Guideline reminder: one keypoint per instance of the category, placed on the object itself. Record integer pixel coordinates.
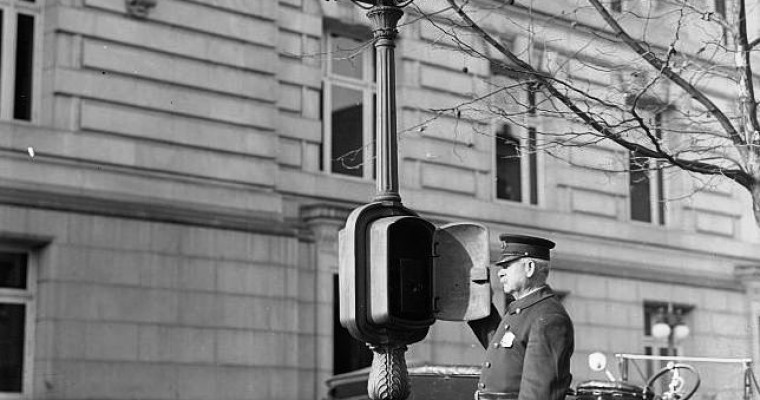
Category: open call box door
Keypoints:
(460, 272)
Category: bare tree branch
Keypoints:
(751, 45)
(661, 66)
(748, 106)
(546, 83)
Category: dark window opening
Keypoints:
(649, 363)
(322, 120)
(640, 189)
(349, 354)
(532, 92)
(533, 165)
(2, 27)
(13, 277)
(13, 271)
(12, 326)
(660, 196)
(508, 168)
(22, 99)
(347, 132)
(616, 5)
(659, 175)
(720, 7)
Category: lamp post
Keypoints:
(384, 15)
(388, 378)
(669, 325)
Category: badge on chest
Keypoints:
(507, 340)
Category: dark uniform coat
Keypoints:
(528, 350)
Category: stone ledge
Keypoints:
(95, 203)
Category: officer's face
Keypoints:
(513, 276)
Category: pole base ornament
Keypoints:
(389, 378)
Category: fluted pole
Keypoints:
(384, 18)
(388, 378)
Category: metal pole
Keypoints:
(384, 19)
(388, 378)
(747, 381)
(623, 369)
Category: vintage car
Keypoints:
(459, 382)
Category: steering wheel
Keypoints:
(676, 384)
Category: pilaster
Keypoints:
(749, 276)
(325, 222)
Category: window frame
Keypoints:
(524, 133)
(8, 37)
(29, 299)
(656, 346)
(657, 185)
(367, 86)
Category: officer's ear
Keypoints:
(530, 269)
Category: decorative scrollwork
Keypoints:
(368, 4)
(384, 20)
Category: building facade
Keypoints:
(174, 179)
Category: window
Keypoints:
(616, 6)
(348, 107)
(647, 185)
(18, 38)
(672, 314)
(349, 354)
(720, 8)
(516, 166)
(16, 319)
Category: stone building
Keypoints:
(174, 178)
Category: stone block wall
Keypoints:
(168, 206)
(129, 308)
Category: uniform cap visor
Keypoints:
(508, 258)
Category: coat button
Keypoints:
(495, 345)
(487, 364)
(481, 385)
(517, 310)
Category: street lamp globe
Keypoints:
(680, 331)
(661, 330)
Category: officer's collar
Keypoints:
(541, 294)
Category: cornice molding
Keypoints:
(649, 274)
(325, 212)
(93, 203)
(748, 272)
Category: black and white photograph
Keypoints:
(379, 199)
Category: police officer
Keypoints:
(528, 350)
